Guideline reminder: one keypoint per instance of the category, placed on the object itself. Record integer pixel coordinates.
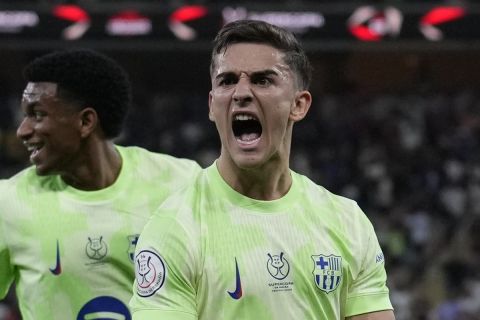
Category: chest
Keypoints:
(291, 263)
(74, 238)
(290, 254)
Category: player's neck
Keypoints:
(98, 168)
(269, 182)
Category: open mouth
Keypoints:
(246, 128)
(34, 149)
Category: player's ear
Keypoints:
(210, 112)
(303, 100)
(88, 121)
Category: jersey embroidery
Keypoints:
(96, 248)
(278, 266)
(58, 267)
(132, 244)
(150, 273)
(327, 272)
(237, 293)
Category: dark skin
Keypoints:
(66, 140)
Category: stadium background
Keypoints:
(395, 122)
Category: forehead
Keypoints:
(36, 90)
(249, 57)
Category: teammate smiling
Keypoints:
(69, 223)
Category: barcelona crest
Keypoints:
(132, 244)
(327, 272)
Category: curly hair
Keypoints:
(253, 31)
(87, 79)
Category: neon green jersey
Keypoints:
(211, 253)
(70, 252)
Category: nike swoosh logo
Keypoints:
(237, 294)
(58, 267)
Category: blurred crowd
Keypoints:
(411, 160)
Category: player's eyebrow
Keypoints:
(224, 75)
(29, 95)
(30, 106)
(264, 73)
(261, 73)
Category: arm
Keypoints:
(6, 272)
(6, 269)
(166, 263)
(368, 296)
(379, 315)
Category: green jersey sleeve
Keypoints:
(166, 266)
(368, 292)
(6, 268)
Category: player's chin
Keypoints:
(249, 161)
(42, 169)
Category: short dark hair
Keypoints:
(253, 31)
(89, 79)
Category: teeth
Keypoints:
(31, 147)
(243, 117)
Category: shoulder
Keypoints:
(336, 209)
(23, 192)
(26, 180)
(148, 160)
(320, 195)
(176, 222)
(183, 204)
(187, 197)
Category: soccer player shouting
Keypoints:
(251, 239)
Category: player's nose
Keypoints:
(25, 129)
(243, 91)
